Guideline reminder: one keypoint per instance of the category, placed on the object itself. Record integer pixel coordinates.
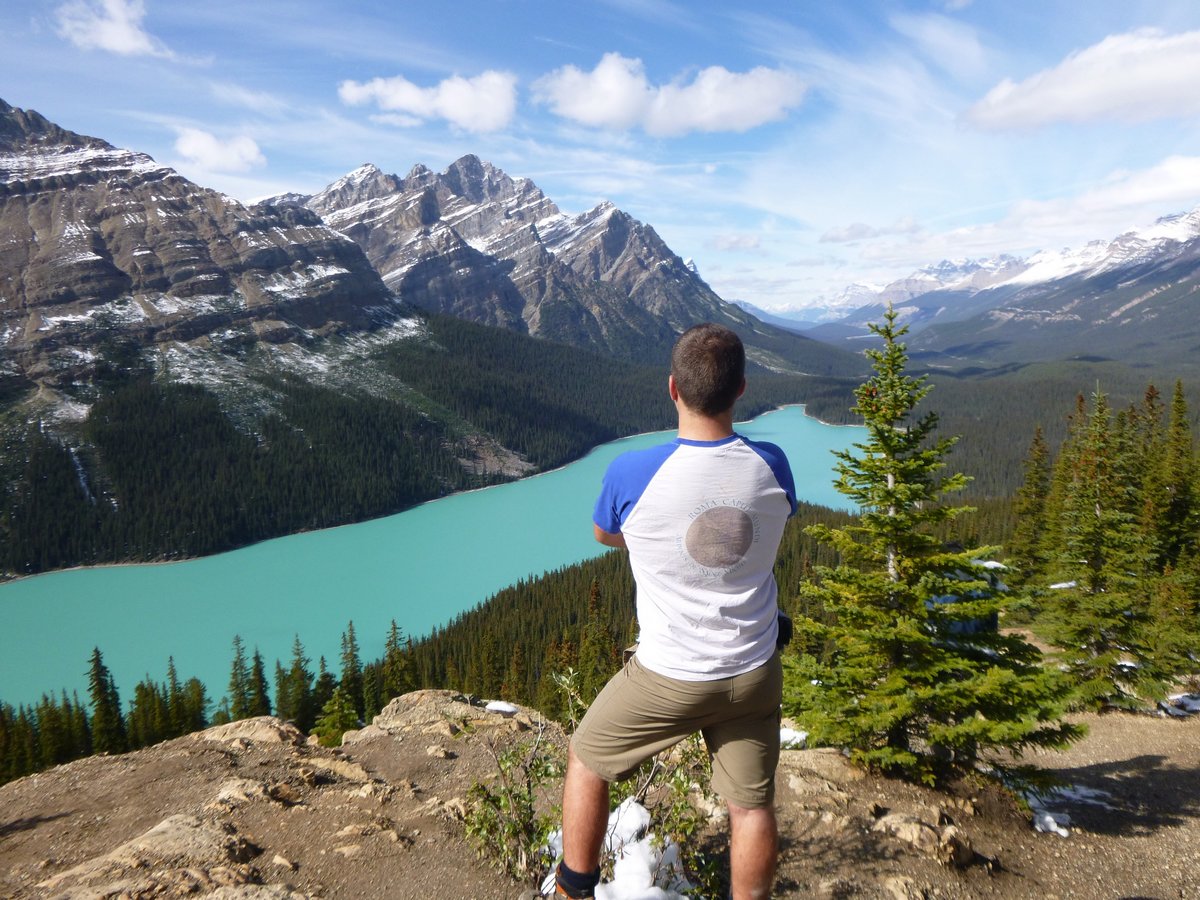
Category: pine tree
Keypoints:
(176, 702)
(239, 682)
(1097, 611)
(597, 652)
(294, 689)
(24, 742)
(337, 717)
(53, 736)
(513, 687)
(1027, 548)
(1171, 509)
(373, 700)
(81, 733)
(260, 691)
(149, 718)
(107, 725)
(351, 679)
(547, 697)
(912, 680)
(323, 689)
(397, 669)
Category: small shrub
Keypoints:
(502, 820)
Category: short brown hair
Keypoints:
(708, 364)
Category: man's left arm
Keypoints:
(608, 538)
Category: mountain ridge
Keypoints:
(1005, 309)
(476, 243)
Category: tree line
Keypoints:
(1107, 546)
(897, 655)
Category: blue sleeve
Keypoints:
(625, 482)
(774, 457)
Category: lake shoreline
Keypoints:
(6, 579)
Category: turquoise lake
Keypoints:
(420, 567)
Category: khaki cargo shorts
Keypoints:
(640, 713)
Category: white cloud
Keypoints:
(112, 25)
(258, 101)
(484, 103)
(860, 231)
(208, 152)
(1124, 200)
(945, 42)
(1133, 77)
(735, 242)
(617, 94)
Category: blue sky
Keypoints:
(789, 148)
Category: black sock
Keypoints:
(576, 884)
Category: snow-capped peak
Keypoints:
(358, 176)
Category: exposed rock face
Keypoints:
(98, 242)
(475, 243)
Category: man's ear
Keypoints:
(671, 389)
(742, 389)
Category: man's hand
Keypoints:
(608, 539)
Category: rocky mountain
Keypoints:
(475, 243)
(182, 374)
(1130, 299)
(101, 245)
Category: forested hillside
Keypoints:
(162, 470)
(1112, 517)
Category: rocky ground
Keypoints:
(251, 810)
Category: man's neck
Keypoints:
(696, 427)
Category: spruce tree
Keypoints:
(513, 687)
(1097, 609)
(397, 669)
(239, 682)
(337, 717)
(597, 651)
(260, 691)
(107, 725)
(81, 732)
(1171, 508)
(176, 702)
(351, 679)
(1027, 548)
(53, 727)
(322, 690)
(294, 689)
(912, 680)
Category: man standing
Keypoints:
(702, 518)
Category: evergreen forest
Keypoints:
(903, 612)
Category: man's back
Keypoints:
(702, 521)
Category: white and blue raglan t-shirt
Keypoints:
(702, 521)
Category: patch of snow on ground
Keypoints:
(1049, 821)
(640, 870)
(168, 305)
(49, 323)
(74, 259)
(791, 739)
(501, 707)
(292, 284)
(70, 411)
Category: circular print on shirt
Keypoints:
(719, 537)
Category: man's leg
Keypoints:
(753, 848)
(585, 816)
